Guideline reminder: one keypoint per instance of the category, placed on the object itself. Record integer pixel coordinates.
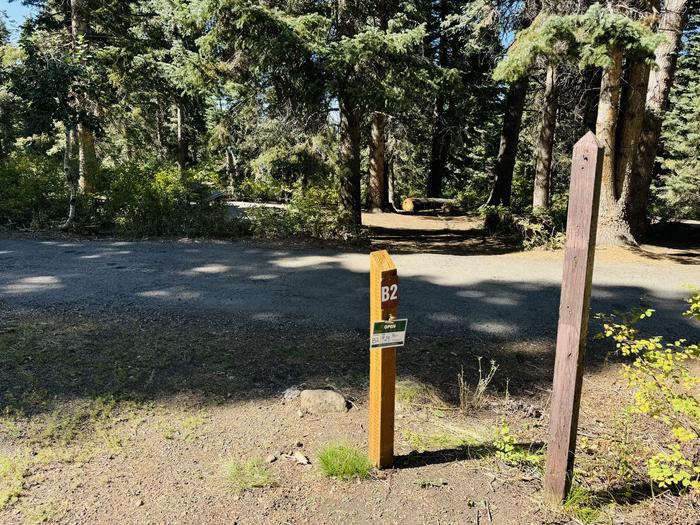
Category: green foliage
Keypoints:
(587, 39)
(510, 451)
(33, 191)
(544, 227)
(343, 461)
(676, 190)
(12, 474)
(665, 390)
(582, 505)
(143, 201)
(499, 220)
(248, 474)
(313, 213)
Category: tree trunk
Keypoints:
(377, 175)
(672, 23)
(613, 228)
(70, 179)
(590, 112)
(440, 141)
(545, 143)
(87, 158)
(438, 150)
(350, 158)
(505, 162)
(629, 126)
(182, 144)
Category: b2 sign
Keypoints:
(390, 292)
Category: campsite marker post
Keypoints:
(383, 305)
(582, 219)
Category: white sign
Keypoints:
(388, 334)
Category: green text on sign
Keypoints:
(388, 334)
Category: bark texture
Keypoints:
(378, 191)
(673, 20)
(350, 158)
(505, 162)
(87, 157)
(70, 179)
(613, 228)
(545, 142)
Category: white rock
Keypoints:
(322, 401)
(301, 458)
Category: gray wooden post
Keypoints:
(582, 219)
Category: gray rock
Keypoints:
(291, 393)
(322, 401)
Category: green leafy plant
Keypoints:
(510, 451)
(665, 390)
(248, 474)
(342, 461)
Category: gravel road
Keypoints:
(485, 297)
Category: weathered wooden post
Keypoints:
(382, 361)
(582, 219)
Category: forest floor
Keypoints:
(131, 372)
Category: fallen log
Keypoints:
(413, 204)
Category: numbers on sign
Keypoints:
(390, 293)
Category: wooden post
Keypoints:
(582, 218)
(382, 366)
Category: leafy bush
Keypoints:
(142, 201)
(33, 190)
(314, 213)
(499, 220)
(265, 190)
(665, 390)
(544, 227)
(342, 461)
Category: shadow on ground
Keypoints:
(239, 322)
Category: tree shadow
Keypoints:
(228, 322)
(416, 459)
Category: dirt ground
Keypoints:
(121, 420)
(122, 417)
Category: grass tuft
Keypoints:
(342, 461)
(411, 393)
(248, 474)
(12, 473)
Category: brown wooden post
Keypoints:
(582, 218)
(382, 365)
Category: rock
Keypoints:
(291, 393)
(138, 502)
(271, 458)
(322, 401)
(301, 458)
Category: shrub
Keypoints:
(264, 190)
(248, 474)
(342, 461)
(33, 190)
(545, 227)
(498, 220)
(665, 390)
(314, 213)
(143, 201)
